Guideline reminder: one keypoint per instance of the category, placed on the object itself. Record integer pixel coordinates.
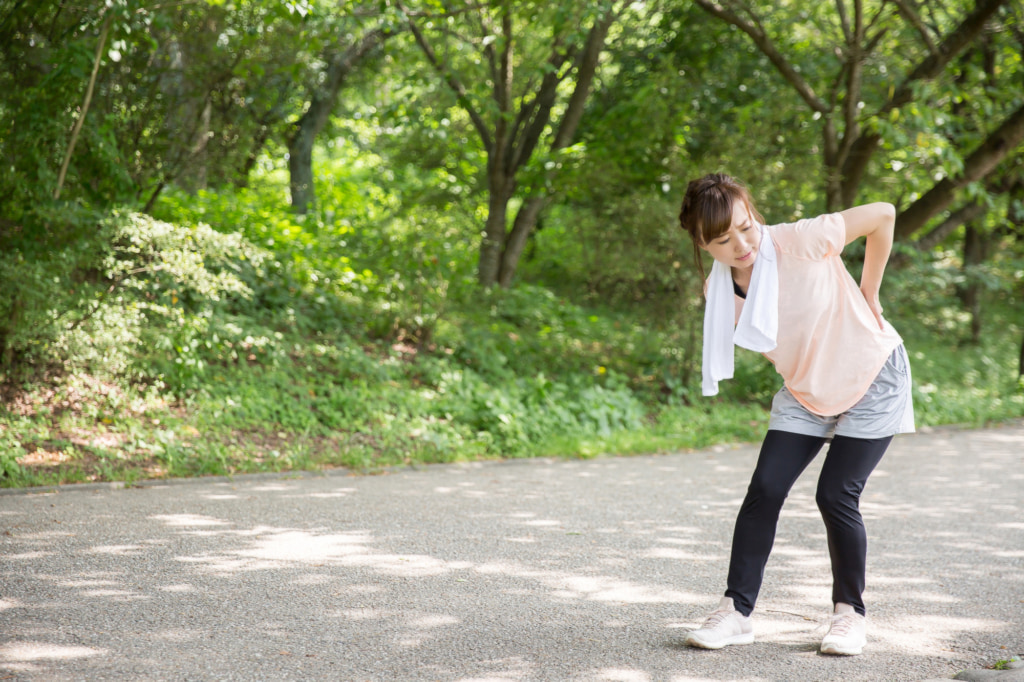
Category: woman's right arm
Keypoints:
(876, 222)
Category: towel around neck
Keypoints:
(758, 325)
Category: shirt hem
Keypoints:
(860, 393)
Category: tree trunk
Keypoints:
(300, 167)
(309, 126)
(526, 217)
(499, 194)
(833, 175)
(1020, 365)
(242, 179)
(975, 252)
(514, 136)
(199, 155)
(526, 220)
(8, 329)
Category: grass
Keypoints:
(385, 407)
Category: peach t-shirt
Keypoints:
(829, 345)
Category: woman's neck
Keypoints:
(742, 278)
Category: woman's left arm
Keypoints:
(876, 222)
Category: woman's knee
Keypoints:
(833, 497)
(767, 491)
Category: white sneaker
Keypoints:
(847, 634)
(723, 627)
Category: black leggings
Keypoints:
(784, 456)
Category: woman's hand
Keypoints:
(875, 305)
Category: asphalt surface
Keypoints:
(526, 570)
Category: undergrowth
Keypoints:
(224, 335)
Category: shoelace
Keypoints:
(842, 624)
(715, 618)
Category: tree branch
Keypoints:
(85, 104)
(964, 214)
(537, 114)
(586, 71)
(452, 82)
(952, 45)
(487, 31)
(769, 50)
(844, 21)
(908, 12)
(503, 84)
(851, 105)
(955, 42)
(982, 160)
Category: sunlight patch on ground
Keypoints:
(304, 546)
(681, 541)
(928, 635)
(273, 550)
(436, 621)
(316, 579)
(122, 550)
(42, 457)
(37, 651)
(683, 678)
(88, 583)
(900, 580)
(120, 595)
(507, 670)
(27, 556)
(364, 614)
(622, 675)
(189, 520)
(593, 588)
(678, 554)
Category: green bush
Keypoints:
(228, 335)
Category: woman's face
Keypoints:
(738, 247)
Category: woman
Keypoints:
(784, 291)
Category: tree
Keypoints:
(340, 60)
(175, 92)
(859, 103)
(524, 96)
(103, 103)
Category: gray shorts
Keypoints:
(885, 410)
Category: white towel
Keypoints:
(758, 326)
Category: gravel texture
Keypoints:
(525, 570)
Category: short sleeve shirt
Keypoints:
(830, 347)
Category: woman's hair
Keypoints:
(707, 210)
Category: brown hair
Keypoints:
(707, 208)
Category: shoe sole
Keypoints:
(737, 639)
(836, 651)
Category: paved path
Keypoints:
(534, 570)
